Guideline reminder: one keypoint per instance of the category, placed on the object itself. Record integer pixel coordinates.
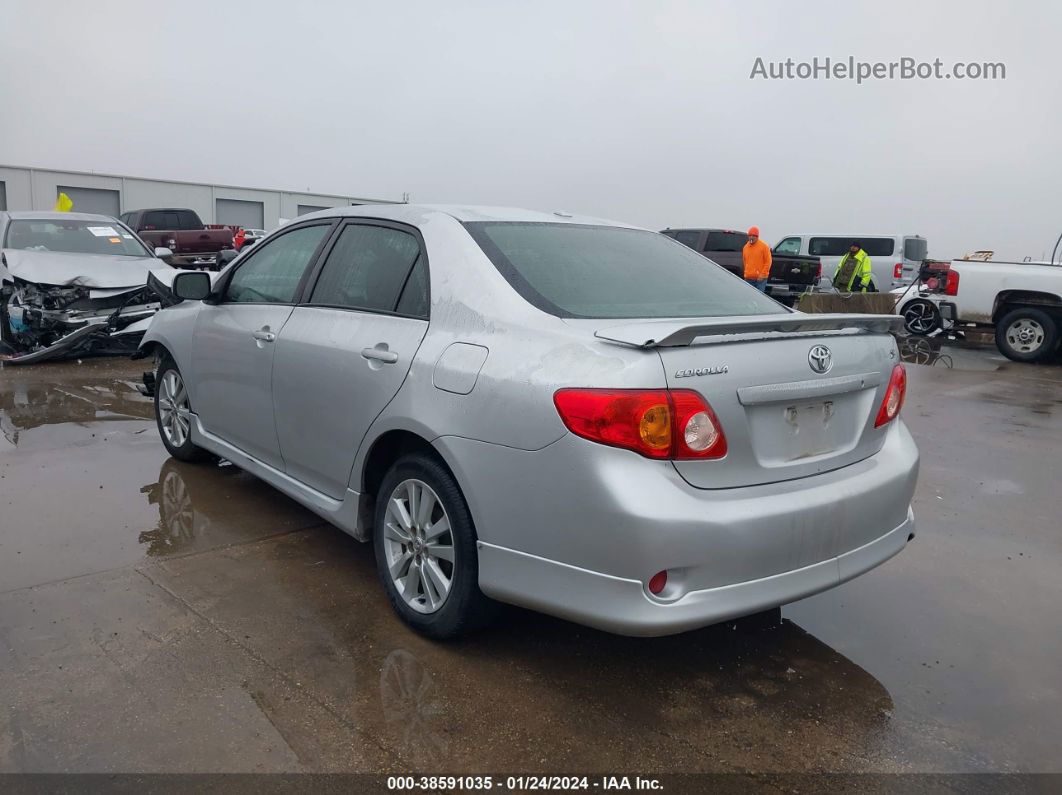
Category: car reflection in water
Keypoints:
(924, 350)
(179, 522)
(412, 709)
(26, 405)
(206, 505)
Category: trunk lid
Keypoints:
(782, 419)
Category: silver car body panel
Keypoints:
(79, 270)
(565, 525)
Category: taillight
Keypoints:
(894, 395)
(951, 286)
(818, 270)
(656, 423)
(698, 433)
(897, 271)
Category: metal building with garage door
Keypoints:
(24, 188)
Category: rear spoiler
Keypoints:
(679, 333)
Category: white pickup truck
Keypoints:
(1022, 300)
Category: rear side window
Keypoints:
(791, 245)
(160, 220)
(725, 241)
(838, 246)
(368, 268)
(186, 219)
(915, 248)
(573, 270)
(687, 238)
(414, 298)
(272, 271)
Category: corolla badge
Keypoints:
(820, 359)
(702, 371)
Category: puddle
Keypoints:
(948, 354)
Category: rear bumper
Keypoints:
(194, 260)
(576, 529)
(623, 606)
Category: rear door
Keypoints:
(235, 341)
(345, 351)
(915, 250)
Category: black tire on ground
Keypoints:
(921, 317)
(186, 450)
(465, 608)
(1026, 334)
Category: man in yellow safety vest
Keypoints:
(853, 272)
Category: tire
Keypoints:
(424, 563)
(1026, 334)
(171, 414)
(921, 317)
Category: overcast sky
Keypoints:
(641, 111)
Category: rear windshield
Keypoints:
(573, 270)
(725, 241)
(838, 246)
(170, 220)
(73, 237)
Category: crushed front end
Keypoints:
(41, 321)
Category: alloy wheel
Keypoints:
(418, 546)
(920, 317)
(174, 410)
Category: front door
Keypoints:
(344, 353)
(236, 338)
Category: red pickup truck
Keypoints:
(192, 242)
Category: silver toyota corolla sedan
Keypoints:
(569, 414)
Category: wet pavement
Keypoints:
(159, 616)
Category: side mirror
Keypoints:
(225, 256)
(191, 285)
(162, 252)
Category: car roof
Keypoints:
(41, 215)
(414, 213)
(704, 229)
(849, 235)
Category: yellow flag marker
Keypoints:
(63, 204)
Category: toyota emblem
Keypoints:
(820, 359)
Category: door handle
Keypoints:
(380, 355)
(264, 335)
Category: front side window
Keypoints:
(74, 237)
(574, 270)
(367, 268)
(272, 273)
(791, 245)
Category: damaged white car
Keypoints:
(73, 284)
